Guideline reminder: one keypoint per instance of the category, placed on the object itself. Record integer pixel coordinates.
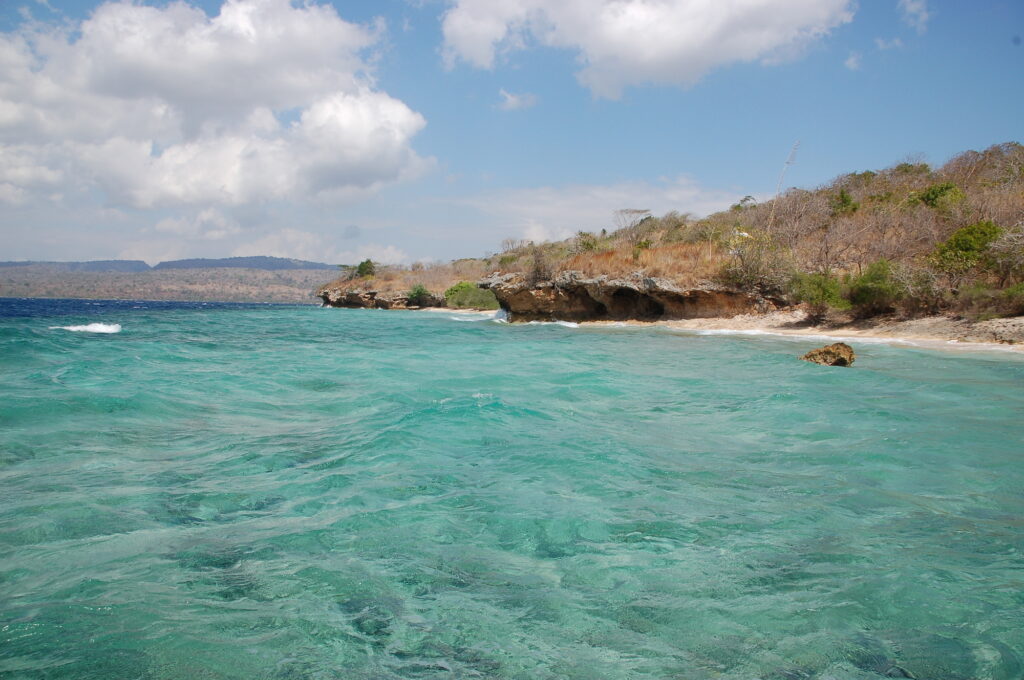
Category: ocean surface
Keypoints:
(198, 490)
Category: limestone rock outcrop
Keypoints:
(570, 296)
(836, 354)
(373, 299)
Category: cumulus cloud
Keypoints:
(513, 102)
(553, 213)
(209, 225)
(629, 42)
(165, 106)
(915, 14)
(11, 194)
(853, 61)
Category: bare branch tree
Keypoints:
(627, 221)
(778, 187)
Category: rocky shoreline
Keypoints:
(570, 296)
(1005, 332)
(636, 299)
(359, 298)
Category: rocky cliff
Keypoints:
(569, 296)
(373, 299)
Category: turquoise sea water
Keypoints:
(229, 491)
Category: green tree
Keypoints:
(366, 269)
(843, 204)
(965, 249)
(419, 296)
(941, 195)
(875, 291)
(466, 295)
(820, 292)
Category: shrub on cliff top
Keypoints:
(466, 295)
(366, 268)
(419, 295)
(541, 267)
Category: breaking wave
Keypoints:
(91, 328)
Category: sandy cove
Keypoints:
(1005, 334)
(932, 331)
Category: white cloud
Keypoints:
(11, 194)
(629, 42)
(552, 213)
(166, 106)
(153, 252)
(853, 61)
(915, 14)
(305, 245)
(892, 44)
(513, 102)
(209, 225)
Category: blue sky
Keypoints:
(422, 130)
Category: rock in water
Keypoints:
(836, 354)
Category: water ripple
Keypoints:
(287, 492)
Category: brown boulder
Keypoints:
(836, 354)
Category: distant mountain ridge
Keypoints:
(263, 262)
(123, 266)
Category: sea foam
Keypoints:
(564, 324)
(91, 328)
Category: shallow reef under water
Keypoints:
(244, 491)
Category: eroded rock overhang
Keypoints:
(570, 296)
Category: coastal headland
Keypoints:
(759, 318)
(906, 251)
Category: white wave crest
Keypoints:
(91, 328)
(566, 324)
(472, 319)
(801, 337)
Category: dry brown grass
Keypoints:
(842, 226)
(683, 263)
(436, 278)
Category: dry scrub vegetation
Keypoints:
(907, 238)
(435, 277)
(685, 263)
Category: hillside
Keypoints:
(90, 266)
(254, 262)
(263, 262)
(225, 284)
(907, 239)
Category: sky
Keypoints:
(429, 130)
